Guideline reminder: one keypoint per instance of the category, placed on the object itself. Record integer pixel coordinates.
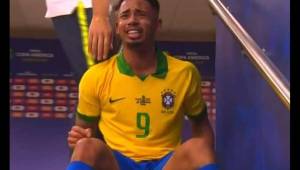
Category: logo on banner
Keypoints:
(73, 95)
(168, 100)
(32, 114)
(18, 87)
(205, 84)
(61, 88)
(32, 94)
(47, 81)
(60, 108)
(17, 108)
(47, 101)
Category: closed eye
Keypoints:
(124, 14)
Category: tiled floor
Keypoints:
(38, 144)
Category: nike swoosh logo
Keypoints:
(115, 100)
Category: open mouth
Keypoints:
(134, 33)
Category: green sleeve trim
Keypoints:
(89, 119)
(199, 117)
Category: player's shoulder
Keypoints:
(100, 69)
(183, 68)
(102, 66)
(180, 65)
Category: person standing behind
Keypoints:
(71, 19)
(138, 99)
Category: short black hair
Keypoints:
(154, 4)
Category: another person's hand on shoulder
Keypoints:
(77, 133)
(100, 37)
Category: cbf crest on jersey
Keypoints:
(168, 100)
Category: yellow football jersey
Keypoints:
(141, 117)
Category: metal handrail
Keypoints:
(262, 63)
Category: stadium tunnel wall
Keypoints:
(252, 125)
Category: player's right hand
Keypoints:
(76, 133)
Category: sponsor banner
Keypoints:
(35, 56)
(202, 54)
(47, 81)
(47, 101)
(17, 108)
(32, 115)
(73, 95)
(37, 97)
(60, 108)
(18, 87)
(32, 94)
(61, 88)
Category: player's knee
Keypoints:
(88, 149)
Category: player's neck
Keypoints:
(142, 61)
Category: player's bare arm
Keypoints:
(201, 129)
(81, 129)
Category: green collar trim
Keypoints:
(161, 70)
(123, 66)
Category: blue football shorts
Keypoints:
(126, 163)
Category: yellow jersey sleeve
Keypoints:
(193, 103)
(88, 98)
